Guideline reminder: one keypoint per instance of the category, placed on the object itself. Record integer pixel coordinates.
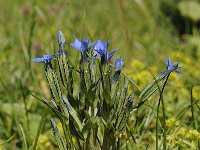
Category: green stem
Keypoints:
(159, 101)
(192, 108)
(192, 112)
(8, 140)
(40, 127)
(23, 137)
(32, 27)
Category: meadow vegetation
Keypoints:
(145, 33)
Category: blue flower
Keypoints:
(172, 66)
(46, 58)
(102, 49)
(82, 45)
(61, 41)
(61, 38)
(119, 63)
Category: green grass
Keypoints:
(141, 31)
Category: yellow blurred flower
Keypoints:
(182, 132)
(171, 122)
(43, 142)
(142, 78)
(137, 65)
(173, 76)
(194, 134)
(181, 57)
(43, 139)
(196, 92)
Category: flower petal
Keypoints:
(106, 44)
(110, 55)
(86, 40)
(99, 46)
(37, 59)
(76, 46)
(48, 57)
(169, 63)
(92, 45)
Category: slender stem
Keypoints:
(164, 126)
(192, 108)
(25, 105)
(32, 27)
(23, 137)
(164, 133)
(192, 112)
(40, 127)
(26, 113)
(8, 140)
(118, 143)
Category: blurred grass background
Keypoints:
(146, 32)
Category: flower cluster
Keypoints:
(98, 47)
(180, 133)
(102, 51)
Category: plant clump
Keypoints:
(91, 99)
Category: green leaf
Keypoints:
(122, 119)
(107, 96)
(82, 89)
(114, 89)
(63, 68)
(23, 137)
(50, 106)
(130, 101)
(74, 117)
(59, 139)
(91, 93)
(152, 87)
(54, 85)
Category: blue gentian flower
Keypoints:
(61, 41)
(46, 58)
(61, 38)
(102, 48)
(119, 63)
(172, 66)
(82, 45)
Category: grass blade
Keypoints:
(40, 127)
(23, 137)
